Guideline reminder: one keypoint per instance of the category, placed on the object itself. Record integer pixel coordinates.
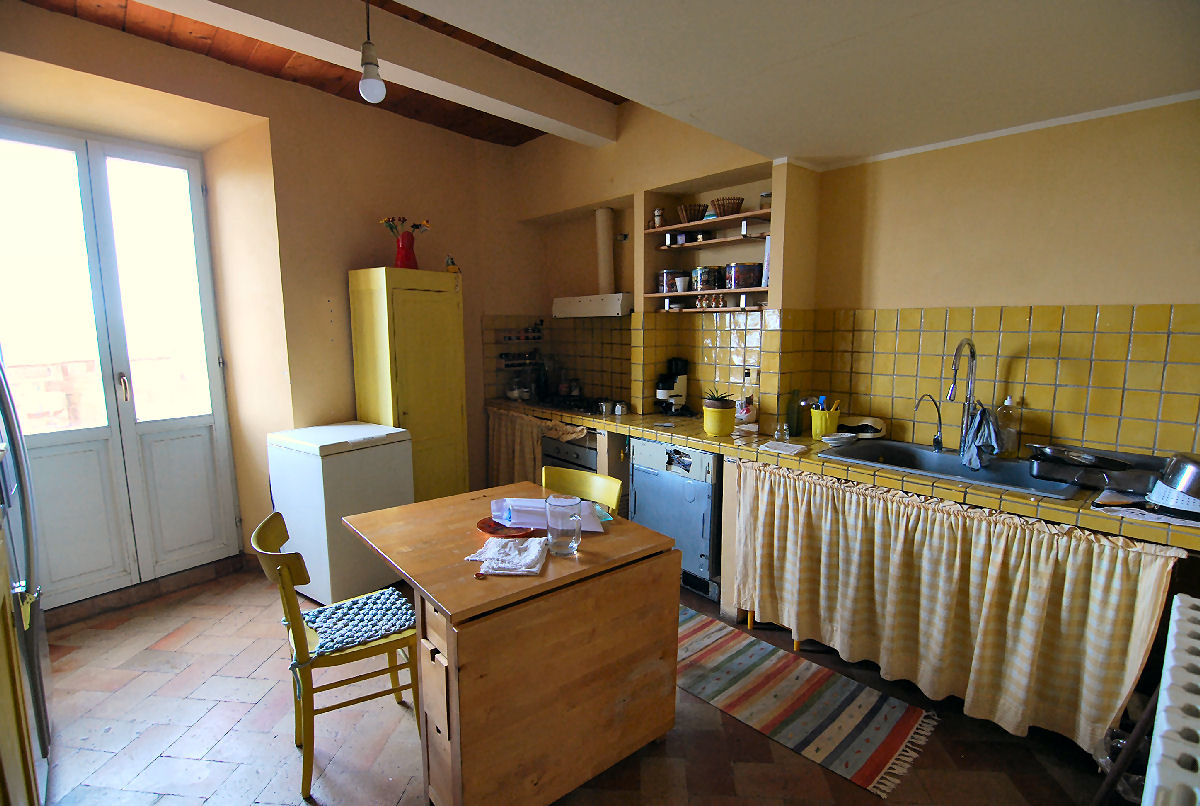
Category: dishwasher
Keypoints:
(677, 491)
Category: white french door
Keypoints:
(108, 335)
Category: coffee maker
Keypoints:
(670, 391)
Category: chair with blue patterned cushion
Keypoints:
(379, 623)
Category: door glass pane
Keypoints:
(47, 323)
(160, 294)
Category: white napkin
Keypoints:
(789, 448)
(531, 513)
(517, 556)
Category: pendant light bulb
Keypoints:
(371, 86)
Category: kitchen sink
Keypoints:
(1008, 474)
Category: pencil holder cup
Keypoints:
(824, 422)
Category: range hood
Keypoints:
(607, 302)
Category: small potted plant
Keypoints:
(718, 413)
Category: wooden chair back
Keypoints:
(604, 490)
(286, 570)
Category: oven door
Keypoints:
(578, 454)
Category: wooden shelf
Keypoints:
(713, 310)
(712, 242)
(713, 223)
(661, 295)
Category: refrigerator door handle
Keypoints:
(123, 381)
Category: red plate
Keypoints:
(492, 529)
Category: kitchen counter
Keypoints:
(689, 432)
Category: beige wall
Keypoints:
(1096, 212)
(336, 168)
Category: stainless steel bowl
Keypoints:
(1182, 473)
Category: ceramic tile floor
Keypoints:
(185, 700)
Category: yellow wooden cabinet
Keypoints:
(18, 782)
(409, 368)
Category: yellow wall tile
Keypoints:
(1079, 318)
(1015, 319)
(908, 319)
(1151, 318)
(1185, 318)
(1115, 318)
(986, 318)
(1076, 345)
(1180, 408)
(1144, 375)
(1176, 437)
(1180, 378)
(1137, 434)
(1143, 405)
(885, 319)
(1111, 346)
(1041, 370)
(1108, 373)
(1067, 427)
(1071, 398)
(1104, 401)
(1038, 396)
(1100, 429)
(957, 319)
(1185, 347)
(1148, 347)
(1046, 318)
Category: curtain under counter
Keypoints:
(1030, 623)
(515, 445)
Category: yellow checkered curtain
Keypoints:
(1030, 623)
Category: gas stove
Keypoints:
(589, 405)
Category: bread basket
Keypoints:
(727, 205)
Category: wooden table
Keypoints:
(532, 685)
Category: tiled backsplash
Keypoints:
(1112, 376)
(595, 351)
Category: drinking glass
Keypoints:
(563, 524)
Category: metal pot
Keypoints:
(1182, 473)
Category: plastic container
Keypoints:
(747, 412)
(1008, 427)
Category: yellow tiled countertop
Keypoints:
(689, 432)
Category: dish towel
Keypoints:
(982, 439)
(520, 556)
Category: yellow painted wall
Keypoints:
(1101, 211)
(241, 203)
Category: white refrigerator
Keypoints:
(321, 474)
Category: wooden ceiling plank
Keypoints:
(268, 59)
(147, 22)
(110, 13)
(231, 48)
(192, 35)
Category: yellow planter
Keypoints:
(718, 420)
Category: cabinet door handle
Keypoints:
(123, 382)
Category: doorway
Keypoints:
(109, 337)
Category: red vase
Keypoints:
(406, 257)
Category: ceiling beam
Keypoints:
(414, 56)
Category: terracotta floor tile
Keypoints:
(135, 756)
(233, 689)
(201, 737)
(246, 662)
(182, 776)
(159, 660)
(95, 678)
(184, 711)
(108, 796)
(182, 634)
(98, 734)
(71, 766)
(188, 680)
(200, 655)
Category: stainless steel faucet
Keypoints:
(937, 438)
(969, 400)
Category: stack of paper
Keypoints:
(530, 513)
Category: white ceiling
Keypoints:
(841, 80)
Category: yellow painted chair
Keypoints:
(604, 490)
(346, 626)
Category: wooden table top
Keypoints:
(426, 543)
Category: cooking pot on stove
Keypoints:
(1182, 474)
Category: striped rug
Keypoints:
(847, 727)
